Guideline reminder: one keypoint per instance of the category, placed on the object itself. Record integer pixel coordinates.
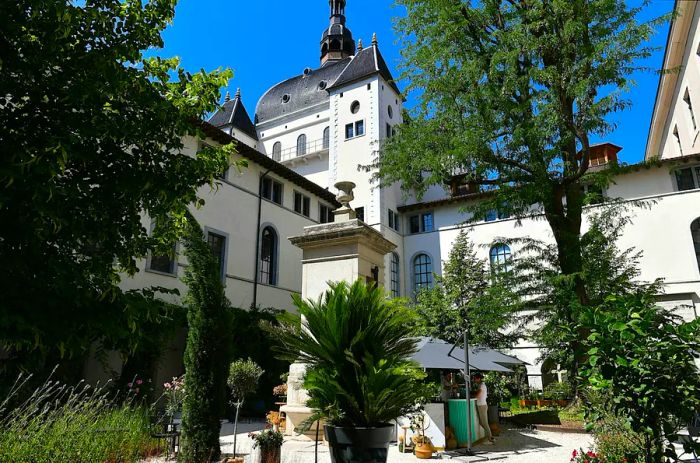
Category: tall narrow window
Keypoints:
(302, 204)
(326, 138)
(695, 232)
(301, 145)
(422, 272)
(277, 151)
(360, 212)
(268, 256)
(395, 275)
(678, 139)
(689, 103)
(163, 263)
(501, 258)
(325, 214)
(217, 243)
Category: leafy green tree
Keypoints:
(546, 300)
(644, 356)
(207, 353)
(467, 296)
(92, 139)
(243, 377)
(510, 94)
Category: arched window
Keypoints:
(501, 258)
(395, 275)
(277, 151)
(268, 256)
(301, 145)
(422, 272)
(695, 232)
(326, 138)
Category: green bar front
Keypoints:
(458, 420)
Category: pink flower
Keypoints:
(130, 385)
(139, 382)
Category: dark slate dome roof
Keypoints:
(299, 92)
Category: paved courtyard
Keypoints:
(513, 446)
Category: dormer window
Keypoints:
(286, 97)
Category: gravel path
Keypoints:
(513, 446)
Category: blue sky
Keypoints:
(267, 41)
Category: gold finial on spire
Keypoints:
(359, 45)
(228, 97)
(374, 39)
(238, 92)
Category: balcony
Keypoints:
(302, 154)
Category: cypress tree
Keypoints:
(206, 354)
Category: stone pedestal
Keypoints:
(346, 250)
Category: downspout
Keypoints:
(257, 239)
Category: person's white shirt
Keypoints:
(483, 394)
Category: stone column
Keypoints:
(345, 250)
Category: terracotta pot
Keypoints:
(522, 403)
(424, 451)
(271, 455)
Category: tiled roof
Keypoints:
(366, 63)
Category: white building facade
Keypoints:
(317, 128)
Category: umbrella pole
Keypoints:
(467, 378)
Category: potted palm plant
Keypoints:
(356, 344)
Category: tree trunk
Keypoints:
(565, 222)
(235, 428)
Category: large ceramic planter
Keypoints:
(358, 445)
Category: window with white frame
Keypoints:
(395, 275)
(302, 204)
(695, 233)
(277, 151)
(326, 138)
(501, 258)
(301, 145)
(356, 129)
(422, 272)
(687, 178)
(421, 223)
(268, 256)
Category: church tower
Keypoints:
(337, 42)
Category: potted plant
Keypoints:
(243, 379)
(174, 394)
(423, 447)
(356, 344)
(269, 441)
(559, 392)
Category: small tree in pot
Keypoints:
(243, 380)
(356, 344)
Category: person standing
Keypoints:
(482, 407)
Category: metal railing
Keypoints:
(294, 152)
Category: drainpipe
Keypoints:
(257, 239)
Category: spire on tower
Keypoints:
(337, 42)
(359, 45)
(374, 39)
(228, 97)
(238, 93)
